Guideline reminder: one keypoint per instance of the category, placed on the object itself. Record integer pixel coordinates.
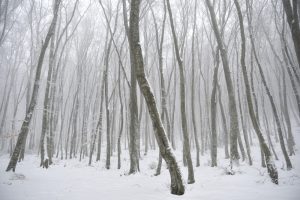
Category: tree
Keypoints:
(269, 160)
(160, 134)
(186, 141)
(271, 99)
(24, 129)
(133, 150)
(293, 21)
(193, 91)
(234, 125)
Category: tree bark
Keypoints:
(186, 141)
(268, 157)
(234, 124)
(25, 125)
(274, 110)
(160, 134)
(213, 110)
(293, 21)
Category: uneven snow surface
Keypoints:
(74, 180)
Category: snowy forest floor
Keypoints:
(71, 179)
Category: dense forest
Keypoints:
(195, 84)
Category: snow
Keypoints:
(71, 179)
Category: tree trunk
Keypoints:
(269, 160)
(293, 21)
(160, 134)
(186, 141)
(224, 123)
(133, 127)
(194, 123)
(274, 110)
(234, 124)
(213, 107)
(25, 125)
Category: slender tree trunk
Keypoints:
(121, 120)
(224, 123)
(99, 124)
(274, 110)
(290, 140)
(186, 141)
(160, 134)
(45, 122)
(243, 125)
(234, 124)
(25, 126)
(133, 127)
(269, 160)
(213, 107)
(293, 21)
(193, 92)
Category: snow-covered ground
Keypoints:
(74, 180)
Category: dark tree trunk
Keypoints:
(293, 21)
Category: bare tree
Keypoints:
(24, 129)
(291, 11)
(186, 141)
(274, 110)
(234, 125)
(269, 160)
(160, 134)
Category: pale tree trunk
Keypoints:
(290, 140)
(194, 123)
(187, 153)
(274, 110)
(240, 142)
(268, 156)
(159, 46)
(133, 147)
(224, 123)
(244, 124)
(100, 121)
(285, 63)
(45, 122)
(121, 120)
(268, 129)
(283, 96)
(213, 110)
(25, 125)
(234, 124)
(160, 134)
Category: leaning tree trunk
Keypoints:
(159, 46)
(234, 124)
(25, 125)
(186, 141)
(274, 110)
(268, 156)
(293, 20)
(160, 134)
